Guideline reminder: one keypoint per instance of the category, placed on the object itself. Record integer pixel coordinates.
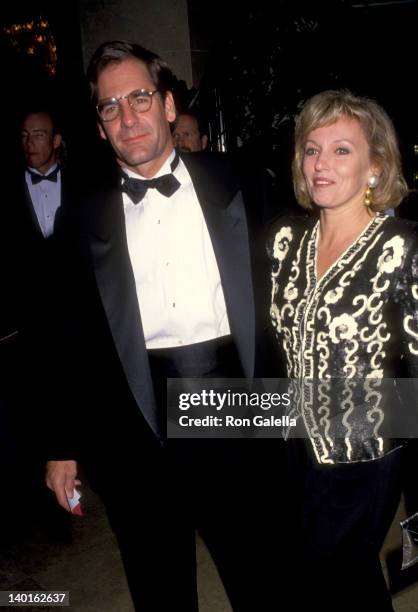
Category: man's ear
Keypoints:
(101, 131)
(169, 107)
(56, 141)
(204, 140)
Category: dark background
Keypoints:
(253, 64)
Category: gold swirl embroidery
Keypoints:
(407, 325)
(362, 299)
(290, 292)
(348, 407)
(392, 255)
(374, 414)
(378, 354)
(295, 269)
(351, 359)
(324, 399)
(282, 241)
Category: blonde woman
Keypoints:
(345, 308)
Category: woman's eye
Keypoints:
(342, 151)
(311, 151)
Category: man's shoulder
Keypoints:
(203, 159)
(219, 167)
(224, 167)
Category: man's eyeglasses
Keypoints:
(36, 135)
(139, 100)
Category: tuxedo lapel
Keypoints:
(30, 209)
(67, 199)
(116, 285)
(224, 210)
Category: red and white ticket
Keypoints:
(74, 503)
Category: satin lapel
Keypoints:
(224, 210)
(30, 209)
(116, 285)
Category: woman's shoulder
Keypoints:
(398, 246)
(285, 234)
(405, 228)
(403, 224)
(295, 223)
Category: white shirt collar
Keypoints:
(35, 171)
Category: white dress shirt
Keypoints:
(177, 279)
(46, 199)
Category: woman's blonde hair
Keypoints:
(326, 108)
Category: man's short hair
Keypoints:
(43, 110)
(116, 51)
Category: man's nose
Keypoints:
(128, 116)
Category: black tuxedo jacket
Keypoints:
(31, 256)
(29, 268)
(26, 212)
(104, 302)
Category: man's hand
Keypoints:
(61, 478)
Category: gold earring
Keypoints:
(368, 197)
(371, 184)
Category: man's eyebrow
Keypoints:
(35, 131)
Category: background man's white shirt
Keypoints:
(46, 199)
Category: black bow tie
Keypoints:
(167, 184)
(37, 178)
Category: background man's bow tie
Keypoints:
(167, 184)
(37, 178)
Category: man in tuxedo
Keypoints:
(34, 194)
(188, 134)
(43, 184)
(164, 268)
(38, 194)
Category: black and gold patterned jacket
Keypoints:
(358, 322)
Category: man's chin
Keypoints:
(134, 159)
